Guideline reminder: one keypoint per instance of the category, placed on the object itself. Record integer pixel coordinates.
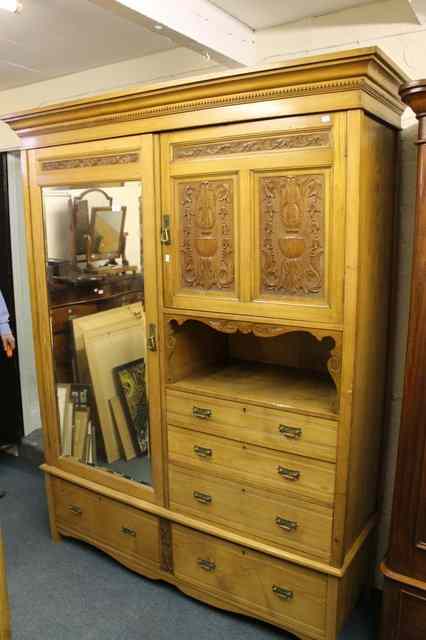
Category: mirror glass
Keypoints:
(95, 276)
(106, 231)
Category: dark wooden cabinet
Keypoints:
(404, 616)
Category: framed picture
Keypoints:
(131, 388)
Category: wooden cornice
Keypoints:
(414, 94)
(365, 70)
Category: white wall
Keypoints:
(30, 405)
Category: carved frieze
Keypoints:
(166, 550)
(282, 142)
(206, 213)
(90, 161)
(292, 211)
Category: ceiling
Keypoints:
(260, 14)
(51, 38)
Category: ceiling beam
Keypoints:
(419, 9)
(197, 24)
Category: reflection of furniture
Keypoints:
(98, 231)
(404, 616)
(68, 302)
(266, 311)
(5, 630)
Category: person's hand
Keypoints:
(8, 344)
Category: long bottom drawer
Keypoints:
(123, 528)
(285, 594)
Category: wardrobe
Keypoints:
(222, 431)
(404, 568)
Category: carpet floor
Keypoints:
(71, 591)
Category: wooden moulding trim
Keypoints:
(399, 577)
(359, 542)
(367, 70)
(217, 532)
(327, 327)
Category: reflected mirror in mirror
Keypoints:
(107, 227)
(98, 324)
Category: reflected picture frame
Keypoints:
(130, 380)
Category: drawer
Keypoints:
(281, 430)
(282, 472)
(129, 530)
(120, 526)
(75, 507)
(283, 593)
(289, 522)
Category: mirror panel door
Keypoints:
(106, 379)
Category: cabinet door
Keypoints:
(95, 278)
(253, 218)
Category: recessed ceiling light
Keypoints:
(11, 5)
(159, 27)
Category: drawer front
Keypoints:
(282, 472)
(123, 528)
(279, 591)
(128, 530)
(289, 522)
(280, 430)
(75, 507)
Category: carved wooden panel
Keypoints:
(166, 547)
(90, 161)
(206, 221)
(283, 142)
(292, 221)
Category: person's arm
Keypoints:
(4, 317)
(5, 330)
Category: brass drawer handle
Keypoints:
(77, 511)
(288, 474)
(203, 452)
(293, 433)
(285, 594)
(207, 565)
(203, 414)
(128, 532)
(287, 525)
(204, 498)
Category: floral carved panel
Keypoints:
(90, 161)
(292, 220)
(206, 214)
(283, 142)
